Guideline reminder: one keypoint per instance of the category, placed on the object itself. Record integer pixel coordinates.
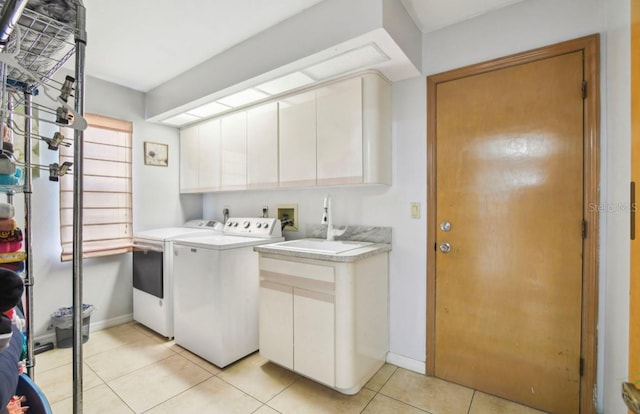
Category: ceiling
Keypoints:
(142, 44)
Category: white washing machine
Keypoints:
(216, 287)
(152, 272)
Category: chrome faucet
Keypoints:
(327, 219)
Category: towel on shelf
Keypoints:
(14, 235)
(17, 267)
(13, 257)
(8, 247)
(7, 211)
(15, 179)
(8, 224)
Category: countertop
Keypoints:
(348, 256)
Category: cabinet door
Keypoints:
(297, 117)
(276, 323)
(339, 133)
(189, 159)
(314, 335)
(262, 146)
(233, 151)
(209, 155)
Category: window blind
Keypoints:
(107, 210)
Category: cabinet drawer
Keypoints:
(299, 269)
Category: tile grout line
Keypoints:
(471, 402)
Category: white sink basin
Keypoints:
(320, 245)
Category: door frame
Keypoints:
(590, 46)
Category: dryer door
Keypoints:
(148, 270)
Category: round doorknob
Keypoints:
(445, 247)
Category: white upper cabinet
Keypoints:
(262, 146)
(233, 151)
(298, 140)
(339, 133)
(189, 159)
(200, 157)
(209, 156)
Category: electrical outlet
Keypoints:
(288, 212)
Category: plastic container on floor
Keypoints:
(36, 400)
(63, 322)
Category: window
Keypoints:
(107, 210)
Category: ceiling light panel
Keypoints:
(181, 119)
(242, 98)
(360, 58)
(286, 83)
(209, 109)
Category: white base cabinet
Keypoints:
(325, 320)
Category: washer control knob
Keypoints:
(266, 225)
(246, 224)
(259, 225)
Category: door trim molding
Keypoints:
(590, 47)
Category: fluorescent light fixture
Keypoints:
(181, 119)
(207, 110)
(346, 62)
(242, 98)
(285, 83)
(363, 57)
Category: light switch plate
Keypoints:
(415, 210)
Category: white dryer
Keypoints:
(152, 272)
(216, 283)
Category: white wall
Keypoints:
(107, 281)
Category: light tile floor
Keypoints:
(130, 369)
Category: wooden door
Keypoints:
(509, 159)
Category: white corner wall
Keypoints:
(616, 173)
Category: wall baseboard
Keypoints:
(93, 327)
(407, 363)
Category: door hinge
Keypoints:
(584, 229)
(584, 89)
(581, 367)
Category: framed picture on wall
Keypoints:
(156, 154)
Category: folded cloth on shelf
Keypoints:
(8, 179)
(8, 247)
(12, 257)
(8, 224)
(7, 211)
(14, 235)
(15, 266)
(7, 166)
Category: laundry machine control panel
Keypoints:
(253, 227)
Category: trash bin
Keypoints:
(63, 322)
